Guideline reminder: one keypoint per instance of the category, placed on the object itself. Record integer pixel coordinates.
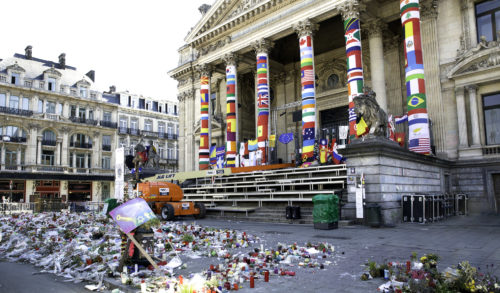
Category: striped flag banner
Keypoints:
(308, 96)
(262, 102)
(418, 122)
(352, 35)
(204, 161)
(231, 93)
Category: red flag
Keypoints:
(400, 138)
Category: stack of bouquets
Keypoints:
(86, 247)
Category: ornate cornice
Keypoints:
(83, 82)
(305, 28)
(262, 46)
(185, 95)
(472, 88)
(230, 59)
(215, 45)
(204, 69)
(53, 71)
(375, 28)
(428, 9)
(476, 60)
(16, 67)
(351, 9)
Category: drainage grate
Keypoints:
(276, 232)
(332, 237)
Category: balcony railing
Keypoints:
(149, 133)
(106, 147)
(83, 120)
(13, 139)
(134, 131)
(48, 142)
(172, 161)
(122, 130)
(83, 145)
(172, 136)
(50, 168)
(15, 111)
(491, 150)
(108, 124)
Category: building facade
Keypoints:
(59, 133)
(263, 42)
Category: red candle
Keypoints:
(236, 287)
(408, 265)
(266, 276)
(252, 282)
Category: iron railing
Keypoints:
(48, 142)
(14, 111)
(108, 124)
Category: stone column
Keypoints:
(350, 14)
(96, 149)
(205, 123)
(74, 162)
(433, 91)
(18, 158)
(305, 30)
(231, 61)
(65, 146)
(462, 121)
(181, 163)
(262, 48)
(418, 119)
(2, 158)
(39, 149)
(375, 29)
(474, 119)
(86, 161)
(57, 153)
(32, 144)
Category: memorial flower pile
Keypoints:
(422, 275)
(87, 247)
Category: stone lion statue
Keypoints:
(366, 106)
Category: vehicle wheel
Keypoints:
(203, 210)
(167, 212)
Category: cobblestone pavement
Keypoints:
(472, 238)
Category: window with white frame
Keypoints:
(47, 157)
(106, 116)
(83, 92)
(123, 122)
(169, 130)
(51, 84)
(59, 108)
(14, 102)
(161, 127)
(15, 78)
(50, 107)
(40, 106)
(73, 111)
(149, 105)
(106, 140)
(3, 100)
(25, 104)
(106, 162)
(148, 125)
(133, 124)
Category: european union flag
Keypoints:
(286, 138)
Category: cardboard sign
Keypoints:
(132, 214)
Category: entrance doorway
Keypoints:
(331, 122)
(496, 189)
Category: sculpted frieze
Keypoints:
(215, 45)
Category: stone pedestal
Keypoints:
(390, 171)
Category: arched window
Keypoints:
(49, 138)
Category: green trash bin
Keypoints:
(326, 211)
(109, 205)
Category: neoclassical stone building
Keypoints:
(462, 78)
(59, 133)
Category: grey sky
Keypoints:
(131, 44)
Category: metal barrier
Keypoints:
(9, 208)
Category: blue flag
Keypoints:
(286, 137)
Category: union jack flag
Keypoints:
(263, 101)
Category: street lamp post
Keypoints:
(10, 193)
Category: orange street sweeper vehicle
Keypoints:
(165, 199)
